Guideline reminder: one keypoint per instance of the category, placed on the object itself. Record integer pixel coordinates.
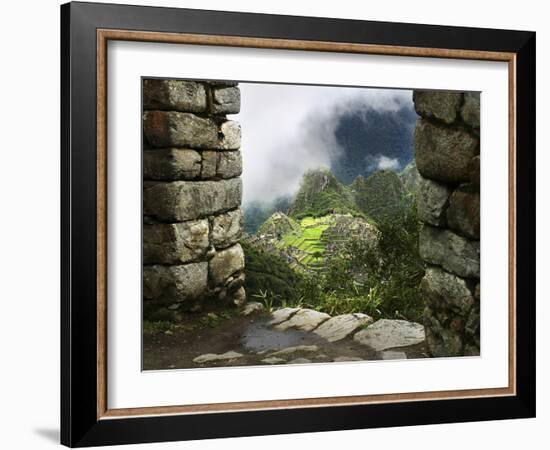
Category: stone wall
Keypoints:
(447, 158)
(191, 196)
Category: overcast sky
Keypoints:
(287, 129)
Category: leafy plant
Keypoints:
(381, 282)
(266, 298)
(269, 277)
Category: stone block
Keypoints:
(441, 340)
(235, 282)
(230, 164)
(179, 201)
(177, 129)
(442, 106)
(175, 243)
(471, 109)
(173, 284)
(474, 168)
(223, 83)
(171, 164)
(471, 350)
(454, 253)
(446, 291)
(175, 95)
(432, 201)
(227, 228)
(224, 264)
(239, 297)
(442, 153)
(463, 214)
(472, 328)
(209, 163)
(226, 100)
(230, 136)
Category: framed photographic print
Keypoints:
(276, 224)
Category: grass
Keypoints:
(339, 272)
(189, 321)
(268, 276)
(334, 303)
(155, 327)
(308, 239)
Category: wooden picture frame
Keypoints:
(85, 416)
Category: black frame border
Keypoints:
(79, 424)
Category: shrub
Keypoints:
(383, 282)
(269, 275)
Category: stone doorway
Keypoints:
(193, 225)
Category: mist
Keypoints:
(288, 129)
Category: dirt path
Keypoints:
(257, 342)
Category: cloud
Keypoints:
(381, 162)
(288, 129)
(388, 163)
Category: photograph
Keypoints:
(275, 222)
(308, 224)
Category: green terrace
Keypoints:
(308, 240)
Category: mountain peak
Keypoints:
(317, 180)
(277, 225)
(410, 177)
(321, 193)
(380, 194)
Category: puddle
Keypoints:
(259, 336)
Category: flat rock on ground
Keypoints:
(390, 354)
(280, 315)
(296, 349)
(210, 357)
(273, 360)
(251, 340)
(347, 359)
(300, 361)
(252, 307)
(304, 319)
(386, 333)
(340, 327)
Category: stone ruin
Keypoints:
(191, 196)
(447, 158)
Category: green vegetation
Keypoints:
(328, 202)
(409, 177)
(256, 212)
(277, 225)
(305, 244)
(156, 327)
(381, 279)
(320, 194)
(154, 313)
(269, 276)
(380, 195)
(342, 250)
(383, 282)
(190, 321)
(212, 319)
(307, 239)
